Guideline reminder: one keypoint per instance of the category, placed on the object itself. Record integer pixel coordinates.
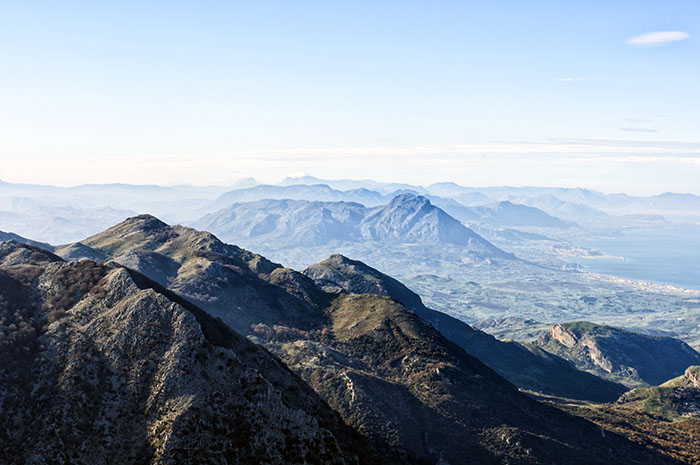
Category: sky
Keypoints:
(595, 94)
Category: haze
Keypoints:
(545, 93)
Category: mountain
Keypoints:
(315, 192)
(102, 365)
(525, 365)
(385, 188)
(416, 396)
(508, 214)
(674, 399)
(406, 219)
(8, 236)
(411, 218)
(630, 358)
(566, 210)
(297, 222)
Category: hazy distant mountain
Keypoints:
(297, 222)
(526, 366)
(415, 395)
(385, 188)
(406, 219)
(316, 192)
(60, 224)
(102, 365)
(566, 210)
(630, 358)
(410, 218)
(178, 202)
(508, 214)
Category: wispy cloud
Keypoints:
(569, 79)
(657, 38)
(636, 120)
(637, 129)
(674, 146)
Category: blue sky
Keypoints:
(481, 93)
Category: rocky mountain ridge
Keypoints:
(416, 396)
(96, 357)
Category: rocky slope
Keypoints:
(99, 364)
(679, 397)
(525, 365)
(415, 395)
(630, 358)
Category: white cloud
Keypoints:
(637, 129)
(657, 38)
(569, 79)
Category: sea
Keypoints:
(668, 255)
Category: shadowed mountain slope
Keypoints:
(624, 356)
(99, 364)
(526, 366)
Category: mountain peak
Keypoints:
(408, 197)
(145, 223)
(340, 259)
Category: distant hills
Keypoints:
(407, 218)
(508, 214)
(571, 204)
(63, 214)
(623, 356)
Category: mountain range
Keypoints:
(407, 218)
(414, 394)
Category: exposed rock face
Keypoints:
(99, 364)
(525, 365)
(415, 395)
(406, 219)
(619, 355)
(563, 336)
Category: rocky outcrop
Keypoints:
(619, 355)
